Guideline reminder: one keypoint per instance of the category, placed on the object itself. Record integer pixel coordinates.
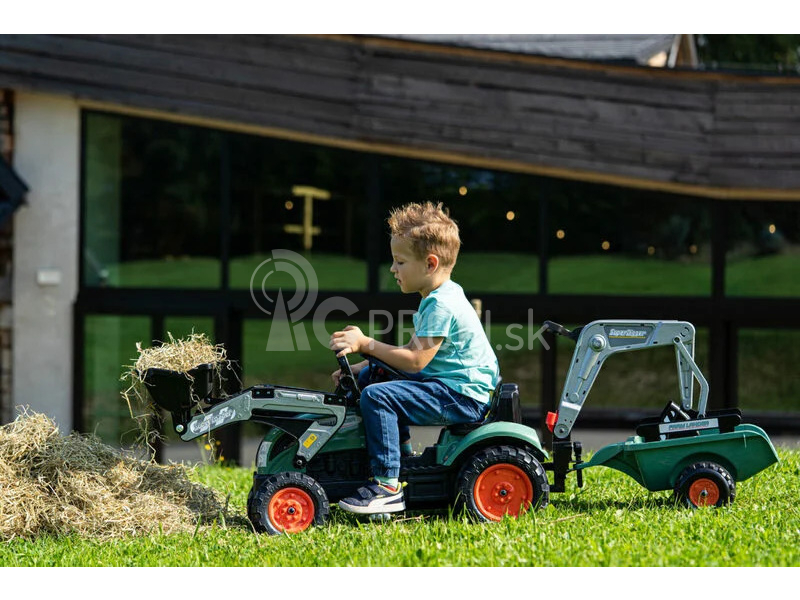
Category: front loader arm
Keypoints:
(600, 339)
(311, 417)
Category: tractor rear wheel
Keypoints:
(287, 502)
(499, 481)
(705, 484)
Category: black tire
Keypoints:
(501, 480)
(705, 484)
(287, 502)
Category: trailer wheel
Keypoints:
(288, 502)
(499, 481)
(705, 484)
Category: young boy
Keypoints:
(453, 367)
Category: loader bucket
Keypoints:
(179, 392)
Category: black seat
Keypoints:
(504, 406)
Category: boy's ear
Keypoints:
(432, 262)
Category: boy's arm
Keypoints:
(411, 358)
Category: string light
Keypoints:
(289, 205)
(605, 245)
(510, 215)
(462, 191)
(561, 234)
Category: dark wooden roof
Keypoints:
(707, 134)
(635, 49)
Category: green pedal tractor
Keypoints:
(314, 451)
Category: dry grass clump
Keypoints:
(180, 355)
(58, 485)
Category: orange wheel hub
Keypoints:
(703, 492)
(502, 489)
(291, 510)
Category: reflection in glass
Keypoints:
(497, 214)
(763, 253)
(151, 204)
(109, 351)
(768, 378)
(298, 197)
(607, 240)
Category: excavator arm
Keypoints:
(598, 340)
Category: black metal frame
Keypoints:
(12, 190)
(722, 315)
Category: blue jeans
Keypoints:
(390, 407)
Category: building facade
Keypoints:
(164, 172)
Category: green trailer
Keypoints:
(700, 470)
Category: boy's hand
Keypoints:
(349, 341)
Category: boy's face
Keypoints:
(410, 271)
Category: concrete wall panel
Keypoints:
(45, 276)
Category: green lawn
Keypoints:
(611, 521)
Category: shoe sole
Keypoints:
(373, 510)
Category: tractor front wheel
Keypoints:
(499, 481)
(287, 502)
(705, 484)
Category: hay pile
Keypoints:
(54, 484)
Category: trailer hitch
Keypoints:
(563, 463)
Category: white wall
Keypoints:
(45, 275)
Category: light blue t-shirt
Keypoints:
(465, 361)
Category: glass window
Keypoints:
(183, 327)
(606, 240)
(519, 356)
(298, 197)
(151, 204)
(763, 254)
(497, 215)
(768, 378)
(110, 350)
(295, 354)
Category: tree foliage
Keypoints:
(773, 52)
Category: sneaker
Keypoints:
(374, 499)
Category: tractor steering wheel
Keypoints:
(348, 386)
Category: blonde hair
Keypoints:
(429, 229)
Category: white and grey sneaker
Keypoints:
(374, 498)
